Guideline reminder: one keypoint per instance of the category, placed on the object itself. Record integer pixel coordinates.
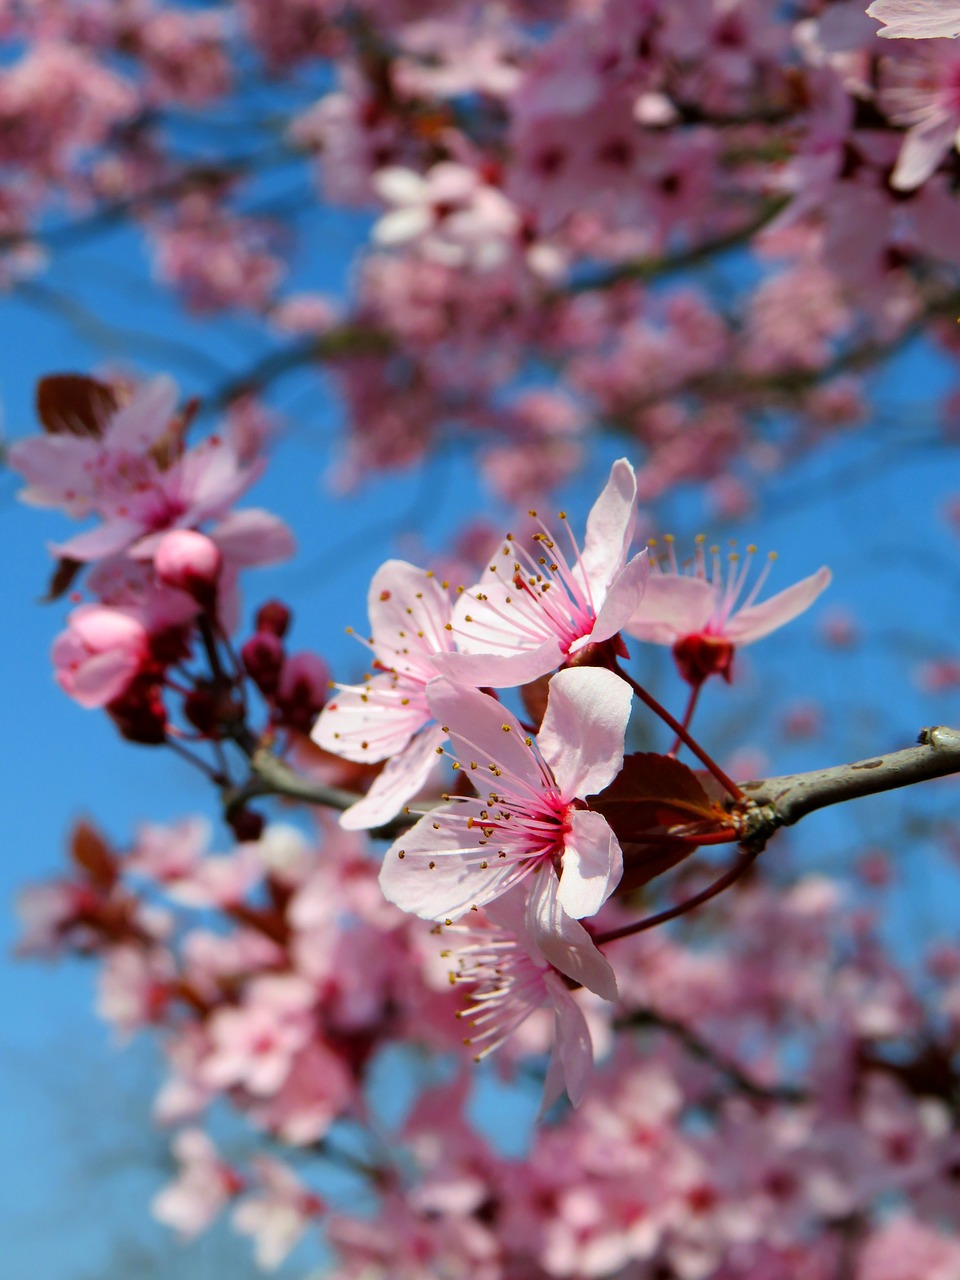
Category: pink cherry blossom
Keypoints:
(528, 825)
(276, 1213)
(203, 1186)
(510, 978)
(388, 717)
(254, 1045)
(100, 654)
(450, 213)
(698, 610)
(188, 561)
(533, 610)
(921, 88)
(916, 19)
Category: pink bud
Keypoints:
(301, 691)
(189, 561)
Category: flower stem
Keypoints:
(687, 716)
(729, 877)
(682, 735)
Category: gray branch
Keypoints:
(770, 803)
(780, 802)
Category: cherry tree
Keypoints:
(684, 237)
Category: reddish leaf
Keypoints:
(91, 853)
(61, 579)
(73, 404)
(657, 794)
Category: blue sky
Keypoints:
(873, 510)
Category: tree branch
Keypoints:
(780, 802)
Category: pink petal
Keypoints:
(101, 678)
(581, 737)
(500, 671)
(562, 941)
(922, 150)
(401, 778)
(673, 605)
(916, 19)
(610, 527)
(438, 878)
(622, 601)
(571, 1063)
(475, 723)
(141, 423)
(253, 537)
(370, 722)
(107, 539)
(592, 865)
(409, 610)
(760, 619)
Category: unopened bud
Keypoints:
(274, 616)
(191, 562)
(263, 657)
(301, 691)
(246, 824)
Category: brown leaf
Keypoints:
(73, 404)
(91, 853)
(61, 580)
(658, 794)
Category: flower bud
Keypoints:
(301, 691)
(191, 562)
(263, 657)
(274, 616)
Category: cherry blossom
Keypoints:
(528, 826)
(388, 717)
(699, 612)
(100, 654)
(276, 1212)
(509, 978)
(535, 609)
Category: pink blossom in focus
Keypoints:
(699, 613)
(388, 717)
(510, 978)
(526, 824)
(533, 610)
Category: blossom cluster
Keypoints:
(531, 170)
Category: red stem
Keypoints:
(729, 877)
(687, 716)
(673, 723)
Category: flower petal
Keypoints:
(622, 601)
(592, 864)
(500, 671)
(610, 527)
(672, 606)
(571, 1063)
(402, 777)
(370, 722)
(581, 737)
(486, 735)
(760, 619)
(434, 870)
(562, 941)
(409, 612)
